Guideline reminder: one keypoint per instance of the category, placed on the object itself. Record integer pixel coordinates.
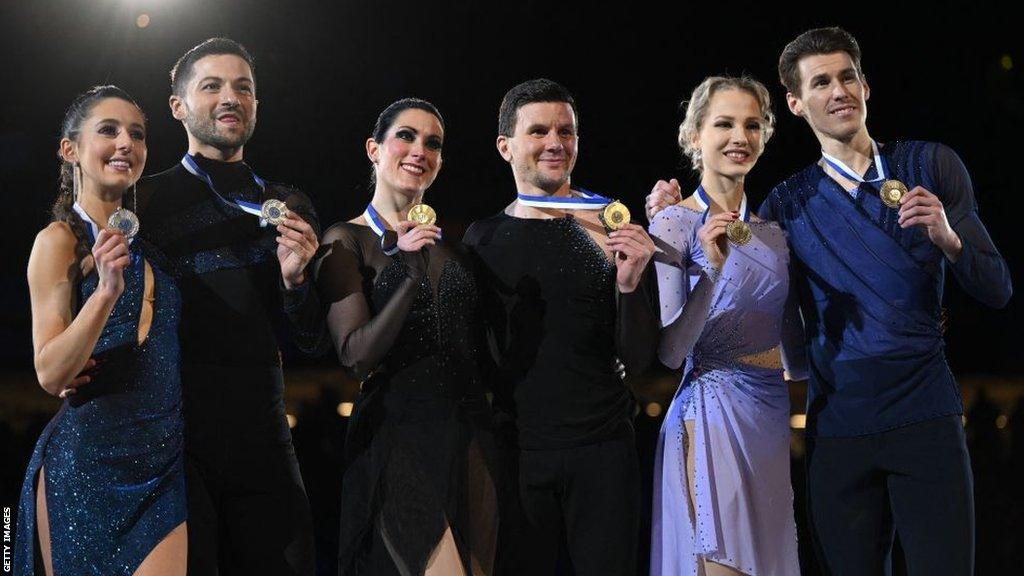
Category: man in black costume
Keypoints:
(575, 299)
(247, 507)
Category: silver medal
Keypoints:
(124, 221)
(274, 211)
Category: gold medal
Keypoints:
(274, 211)
(614, 216)
(892, 192)
(124, 221)
(738, 232)
(422, 215)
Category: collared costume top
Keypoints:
(560, 328)
(871, 291)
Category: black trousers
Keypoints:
(586, 497)
(247, 507)
(915, 480)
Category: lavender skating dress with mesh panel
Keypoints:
(725, 326)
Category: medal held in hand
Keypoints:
(422, 215)
(124, 221)
(274, 211)
(614, 216)
(891, 192)
(737, 231)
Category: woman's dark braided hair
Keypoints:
(76, 114)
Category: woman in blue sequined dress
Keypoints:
(723, 505)
(104, 493)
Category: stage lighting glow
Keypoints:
(1006, 62)
(142, 21)
(345, 409)
(292, 420)
(653, 410)
(798, 421)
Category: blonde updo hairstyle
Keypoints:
(697, 111)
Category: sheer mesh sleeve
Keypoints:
(344, 280)
(684, 311)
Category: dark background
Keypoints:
(943, 72)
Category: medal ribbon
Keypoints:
(586, 201)
(849, 174)
(701, 196)
(92, 227)
(377, 225)
(192, 166)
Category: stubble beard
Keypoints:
(547, 183)
(204, 129)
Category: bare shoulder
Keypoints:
(53, 253)
(56, 241)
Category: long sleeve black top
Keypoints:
(560, 328)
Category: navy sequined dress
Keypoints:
(112, 455)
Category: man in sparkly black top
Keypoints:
(572, 298)
(248, 512)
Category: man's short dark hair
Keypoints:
(813, 42)
(181, 73)
(537, 90)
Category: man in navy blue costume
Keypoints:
(872, 228)
(248, 512)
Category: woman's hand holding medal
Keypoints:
(713, 239)
(111, 257)
(413, 236)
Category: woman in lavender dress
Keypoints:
(723, 504)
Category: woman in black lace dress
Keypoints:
(418, 495)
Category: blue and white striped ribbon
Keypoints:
(193, 167)
(585, 201)
(377, 225)
(849, 174)
(704, 202)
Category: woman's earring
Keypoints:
(76, 180)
